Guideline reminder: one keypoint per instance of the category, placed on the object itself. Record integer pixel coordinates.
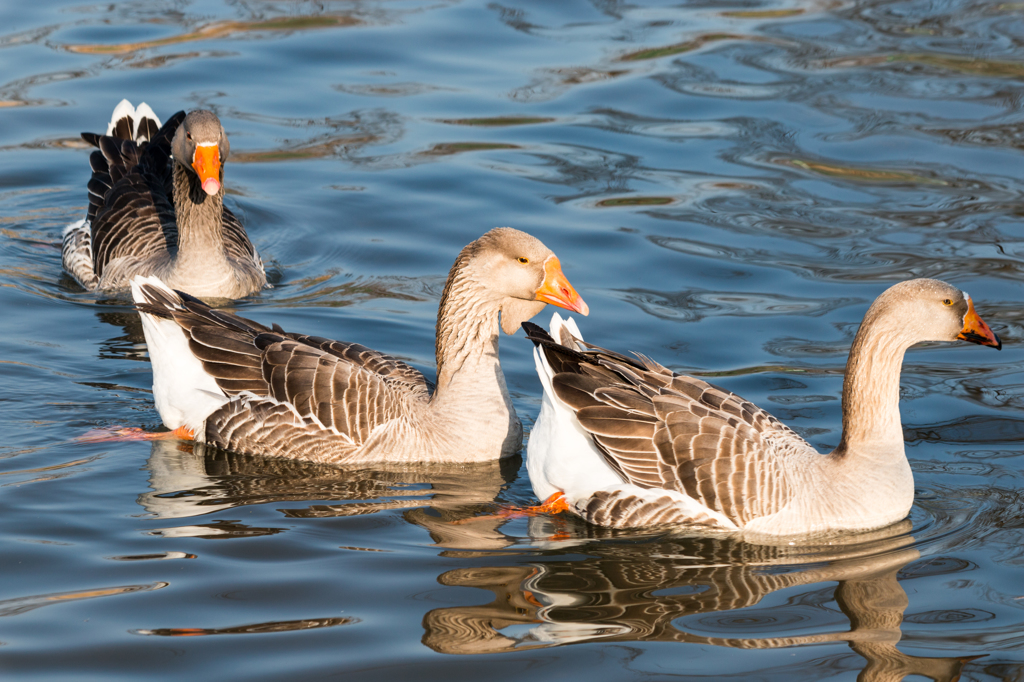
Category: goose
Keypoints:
(241, 386)
(625, 443)
(156, 207)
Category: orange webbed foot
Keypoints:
(118, 434)
(553, 505)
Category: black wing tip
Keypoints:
(190, 298)
(562, 358)
(147, 128)
(155, 295)
(537, 334)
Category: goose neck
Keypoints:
(871, 389)
(200, 220)
(467, 330)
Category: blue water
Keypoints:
(728, 185)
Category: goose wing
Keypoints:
(286, 386)
(661, 430)
(131, 212)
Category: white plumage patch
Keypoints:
(124, 109)
(75, 227)
(185, 395)
(561, 455)
(143, 111)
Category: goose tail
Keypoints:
(558, 444)
(133, 123)
(184, 393)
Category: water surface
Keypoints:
(728, 185)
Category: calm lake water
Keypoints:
(728, 184)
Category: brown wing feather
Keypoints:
(265, 427)
(130, 207)
(659, 429)
(618, 509)
(296, 382)
(379, 363)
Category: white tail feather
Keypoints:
(124, 109)
(143, 111)
(185, 395)
(561, 455)
(565, 331)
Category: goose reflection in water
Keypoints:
(452, 502)
(669, 590)
(698, 590)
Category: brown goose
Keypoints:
(625, 442)
(258, 390)
(156, 207)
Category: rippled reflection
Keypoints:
(22, 605)
(252, 628)
(222, 29)
(453, 503)
(625, 588)
(697, 591)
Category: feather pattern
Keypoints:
(287, 386)
(141, 202)
(631, 443)
(659, 430)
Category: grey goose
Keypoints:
(156, 207)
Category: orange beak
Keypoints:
(206, 162)
(976, 331)
(556, 289)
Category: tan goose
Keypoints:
(156, 207)
(258, 390)
(624, 443)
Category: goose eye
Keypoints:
(523, 259)
(188, 136)
(947, 302)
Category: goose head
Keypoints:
(201, 147)
(930, 310)
(522, 275)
